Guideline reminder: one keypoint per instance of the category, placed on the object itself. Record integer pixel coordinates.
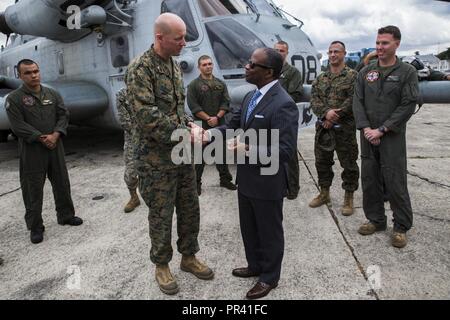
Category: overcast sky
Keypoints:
(425, 24)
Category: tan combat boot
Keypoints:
(399, 239)
(133, 202)
(369, 228)
(347, 209)
(165, 280)
(194, 266)
(321, 199)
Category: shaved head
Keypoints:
(167, 22)
(170, 33)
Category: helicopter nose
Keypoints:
(4, 28)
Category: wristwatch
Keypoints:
(382, 129)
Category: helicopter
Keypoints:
(83, 48)
(86, 65)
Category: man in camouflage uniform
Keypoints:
(39, 119)
(208, 99)
(385, 98)
(331, 101)
(292, 81)
(130, 175)
(156, 95)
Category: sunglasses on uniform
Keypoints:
(252, 65)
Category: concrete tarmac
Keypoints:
(325, 258)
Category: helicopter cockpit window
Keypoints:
(212, 8)
(182, 9)
(232, 43)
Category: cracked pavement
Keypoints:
(325, 257)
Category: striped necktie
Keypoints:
(252, 104)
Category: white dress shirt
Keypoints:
(265, 89)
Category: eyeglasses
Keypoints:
(252, 65)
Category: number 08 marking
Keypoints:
(311, 64)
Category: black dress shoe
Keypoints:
(260, 290)
(74, 221)
(244, 273)
(37, 235)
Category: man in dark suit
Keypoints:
(268, 109)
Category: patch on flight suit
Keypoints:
(393, 78)
(28, 101)
(372, 76)
(204, 88)
(7, 105)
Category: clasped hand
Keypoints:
(333, 115)
(50, 140)
(236, 146)
(373, 136)
(213, 122)
(198, 134)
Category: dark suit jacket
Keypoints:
(276, 110)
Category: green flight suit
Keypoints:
(32, 115)
(209, 96)
(386, 97)
(292, 81)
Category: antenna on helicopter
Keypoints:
(251, 6)
(290, 15)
